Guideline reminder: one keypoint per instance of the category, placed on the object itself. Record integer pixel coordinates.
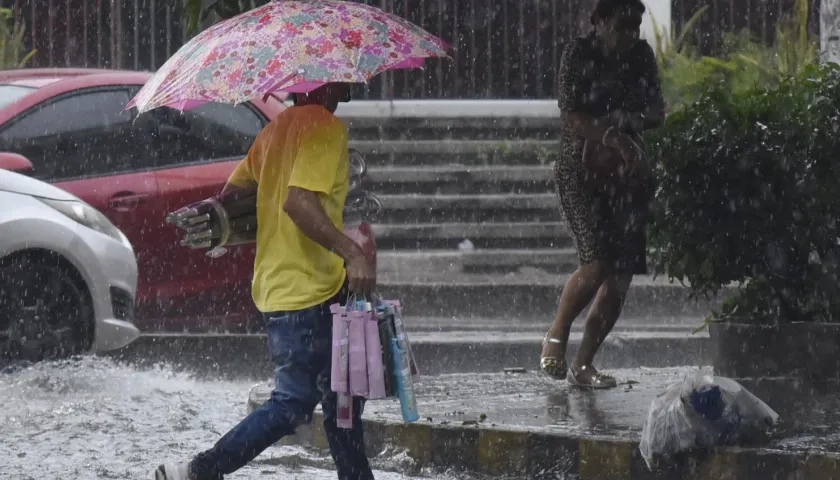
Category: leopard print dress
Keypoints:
(607, 224)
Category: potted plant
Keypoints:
(748, 195)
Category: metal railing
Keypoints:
(503, 48)
(121, 34)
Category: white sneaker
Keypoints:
(173, 471)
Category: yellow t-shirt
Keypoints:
(304, 147)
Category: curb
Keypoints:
(535, 299)
(245, 356)
(543, 456)
(453, 262)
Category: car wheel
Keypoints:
(46, 311)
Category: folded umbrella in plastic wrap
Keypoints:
(371, 357)
(397, 351)
(700, 412)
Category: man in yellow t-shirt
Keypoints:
(300, 168)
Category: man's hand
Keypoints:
(361, 275)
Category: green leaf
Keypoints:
(705, 326)
(12, 42)
(689, 26)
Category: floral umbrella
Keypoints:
(287, 46)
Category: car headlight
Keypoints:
(87, 216)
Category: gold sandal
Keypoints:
(554, 367)
(598, 380)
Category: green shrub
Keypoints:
(749, 192)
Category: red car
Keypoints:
(70, 125)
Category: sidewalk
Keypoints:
(528, 424)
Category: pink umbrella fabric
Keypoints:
(292, 46)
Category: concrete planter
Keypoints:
(803, 351)
(794, 367)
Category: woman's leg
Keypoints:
(577, 293)
(601, 319)
(579, 207)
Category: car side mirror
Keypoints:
(16, 163)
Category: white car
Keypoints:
(68, 276)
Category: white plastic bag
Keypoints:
(703, 411)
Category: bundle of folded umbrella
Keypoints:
(231, 218)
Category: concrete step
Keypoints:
(462, 179)
(551, 260)
(453, 128)
(420, 208)
(527, 295)
(447, 152)
(482, 235)
(451, 119)
(448, 109)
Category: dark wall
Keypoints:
(503, 48)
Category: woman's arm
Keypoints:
(653, 114)
(573, 92)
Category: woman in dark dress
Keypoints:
(609, 94)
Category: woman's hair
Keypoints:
(607, 8)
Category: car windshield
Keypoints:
(12, 93)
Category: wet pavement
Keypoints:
(95, 419)
(532, 401)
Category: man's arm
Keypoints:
(230, 188)
(242, 177)
(322, 154)
(305, 209)
(239, 197)
(228, 218)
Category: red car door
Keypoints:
(131, 202)
(200, 148)
(83, 142)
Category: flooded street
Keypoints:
(96, 419)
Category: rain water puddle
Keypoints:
(94, 418)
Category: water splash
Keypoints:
(97, 418)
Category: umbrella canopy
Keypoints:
(287, 46)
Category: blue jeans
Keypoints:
(300, 345)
